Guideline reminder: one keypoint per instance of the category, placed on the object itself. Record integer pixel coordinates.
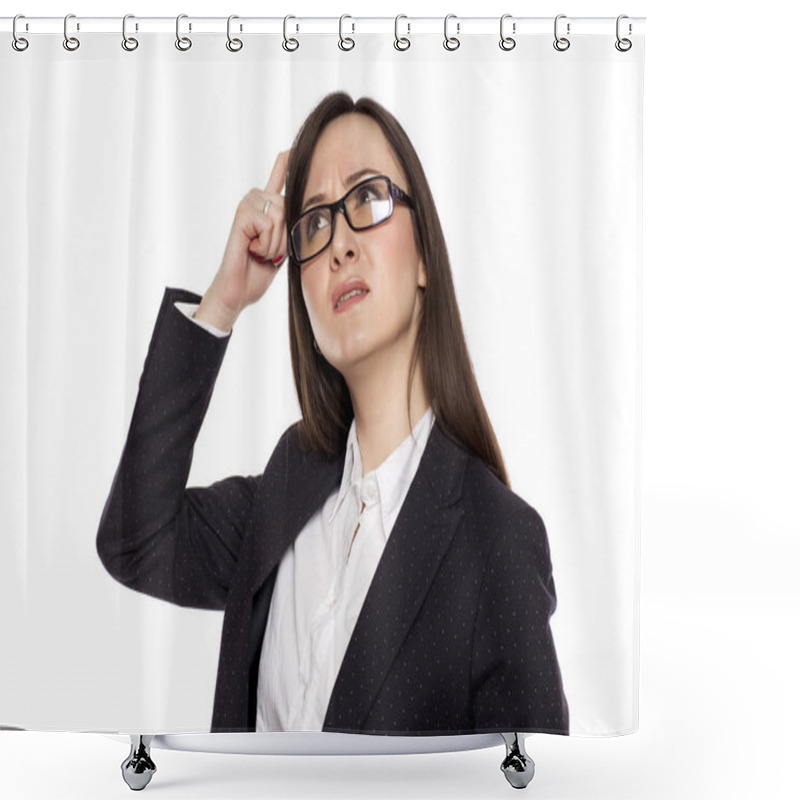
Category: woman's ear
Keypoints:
(422, 274)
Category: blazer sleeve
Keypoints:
(515, 676)
(155, 535)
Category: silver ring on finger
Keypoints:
(266, 206)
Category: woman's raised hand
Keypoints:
(255, 250)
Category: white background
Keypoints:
(719, 610)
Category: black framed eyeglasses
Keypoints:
(366, 205)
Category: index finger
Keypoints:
(278, 176)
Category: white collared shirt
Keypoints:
(323, 579)
(322, 582)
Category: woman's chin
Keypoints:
(348, 356)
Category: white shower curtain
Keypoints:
(120, 173)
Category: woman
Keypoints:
(380, 576)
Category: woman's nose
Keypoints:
(344, 245)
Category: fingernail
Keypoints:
(278, 260)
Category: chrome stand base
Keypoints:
(138, 768)
(517, 766)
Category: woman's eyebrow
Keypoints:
(351, 179)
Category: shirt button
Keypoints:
(371, 491)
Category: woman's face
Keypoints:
(384, 320)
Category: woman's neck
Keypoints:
(381, 412)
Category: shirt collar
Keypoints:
(393, 476)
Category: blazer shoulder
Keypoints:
(290, 438)
(513, 525)
(483, 487)
(292, 453)
(284, 451)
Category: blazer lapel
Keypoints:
(296, 486)
(419, 540)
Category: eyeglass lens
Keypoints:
(366, 205)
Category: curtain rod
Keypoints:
(327, 25)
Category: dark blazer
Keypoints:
(454, 633)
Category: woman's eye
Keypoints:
(368, 193)
(315, 222)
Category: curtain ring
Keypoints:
(234, 45)
(182, 42)
(290, 45)
(129, 43)
(451, 42)
(18, 42)
(623, 45)
(70, 42)
(561, 43)
(401, 43)
(346, 43)
(506, 42)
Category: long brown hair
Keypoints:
(440, 348)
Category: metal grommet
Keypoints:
(18, 42)
(234, 45)
(70, 42)
(506, 42)
(451, 42)
(561, 43)
(346, 43)
(182, 42)
(401, 43)
(623, 45)
(292, 44)
(128, 42)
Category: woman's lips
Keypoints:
(346, 304)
